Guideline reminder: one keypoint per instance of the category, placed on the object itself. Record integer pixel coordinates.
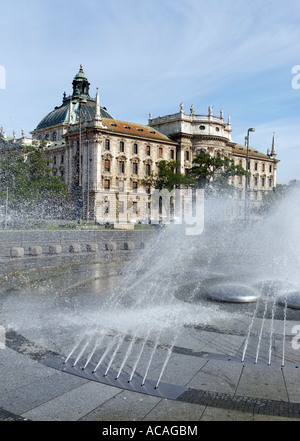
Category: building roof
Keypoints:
(134, 129)
(60, 115)
(242, 150)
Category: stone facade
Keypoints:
(209, 133)
(103, 160)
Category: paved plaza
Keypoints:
(206, 378)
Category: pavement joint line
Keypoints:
(243, 404)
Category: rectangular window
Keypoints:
(148, 169)
(134, 207)
(121, 146)
(62, 159)
(135, 168)
(107, 165)
(187, 156)
(107, 144)
(270, 169)
(121, 186)
(106, 184)
(121, 167)
(172, 154)
(135, 149)
(160, 152)
(148, 150)
(255, 181)
(270, 182)
(134, 187)
(255, 166)
(263, 182)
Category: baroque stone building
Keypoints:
(103, 160)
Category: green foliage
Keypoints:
(168, 177)
(24, 171)
(214, 171)
(209, 172)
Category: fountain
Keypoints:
(127, 326)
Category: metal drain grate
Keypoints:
(164, 390)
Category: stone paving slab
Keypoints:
(291, 377)
(175, 411)
(72, 405)
(262, 381)
(124, 406)
(217, 376)
(35, 394)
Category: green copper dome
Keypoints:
(60, 115)
(87, 108)
(80, 74)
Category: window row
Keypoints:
(134, 186)
(263, 182)
(135, 149)
(255, 166)
(121, 164)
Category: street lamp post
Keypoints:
(81, 180)
(248, 175)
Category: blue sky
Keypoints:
(147, 56)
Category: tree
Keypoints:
(214, 171)
(24, 171)
(168, 177)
